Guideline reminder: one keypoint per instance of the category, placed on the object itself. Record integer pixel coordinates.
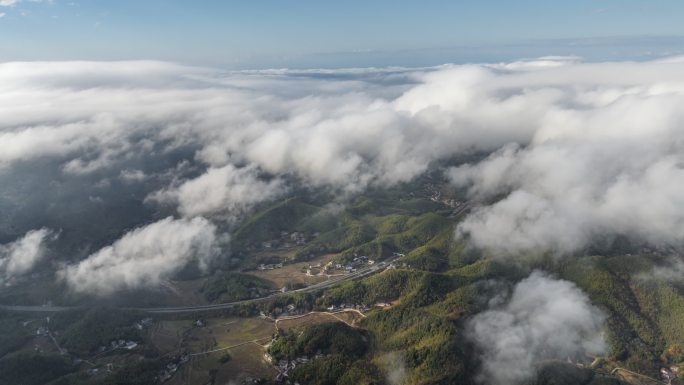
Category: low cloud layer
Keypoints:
(395, 368)
(19, 257)
(604, 160)
(672, 270)
(544, 318)
(571, 152)
(228, 190)
(145, 257)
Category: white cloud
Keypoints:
(395, 368)
(672, 270)
(227, 191)
(544, 318)
(145, 257)
(12, 3)
(132, 176)
(578, 150)
(19, 257)
(604, 160)
(325, 132)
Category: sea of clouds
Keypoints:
(573, 152)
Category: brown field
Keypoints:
(246, 361)
(174, 337)
(196, 371)
(186, 293)
(635, 378)
(242, 338)
(350, 318)
(306, 321)
(232, 331)
(294, 273)
(166, 336)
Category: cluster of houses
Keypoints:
(292, 310)
(317, 269)
(284, 366)
(270, 266)
(349, 267)
(126, 344)
(95, 371)
(330, 267)
(357, 262)
(344, 306)
(171, 368)
(142, 324)
(297, 238)
(42, 331)
(437, 197)
(286, 240)
(669, 374)
(361, 308)
(403, 265)
(118, 344)
(123, 344)
(289, 310)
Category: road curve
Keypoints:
(210, 307)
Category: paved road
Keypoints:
(190, 309)
(186, 309)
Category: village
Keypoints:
(101, 361)
(188, 344)
(287, 240)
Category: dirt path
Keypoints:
(231, 347)
(332, 314)
(635, 378)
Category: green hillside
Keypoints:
(433, 290)
(269, 222)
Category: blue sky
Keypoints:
(298, 33)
